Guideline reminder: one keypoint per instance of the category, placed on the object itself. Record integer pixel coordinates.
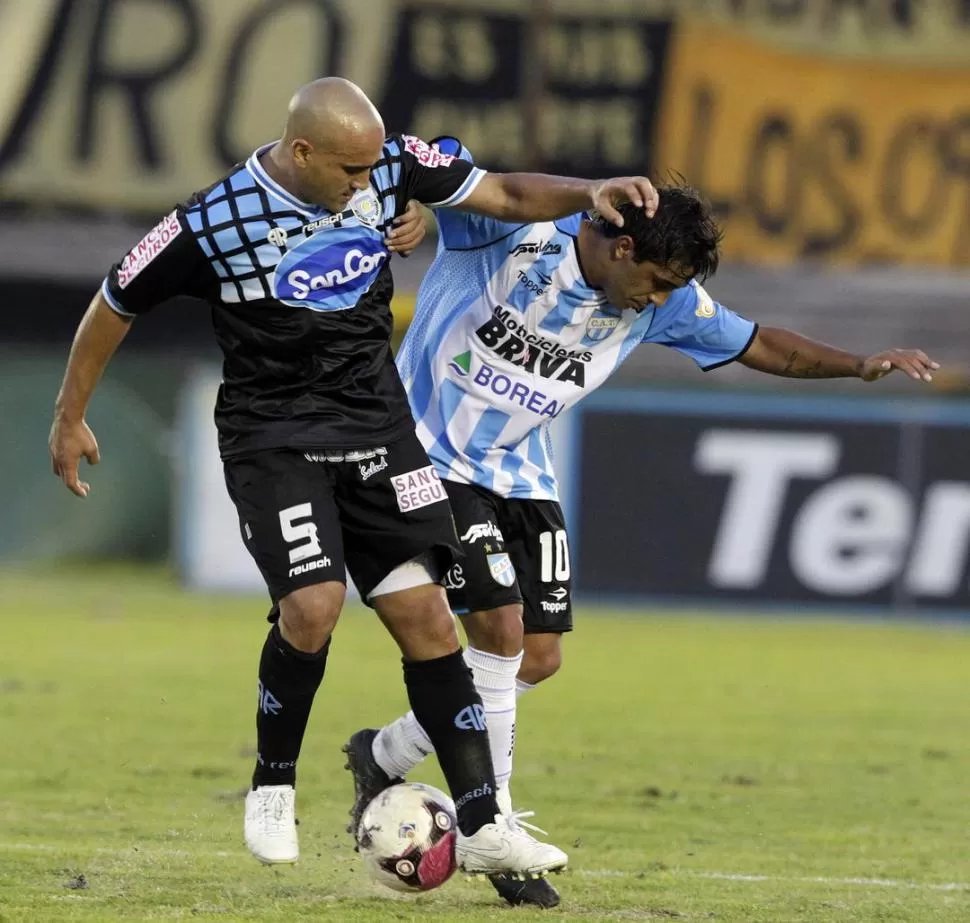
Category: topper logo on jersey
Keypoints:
(330, 277)
(514, 342)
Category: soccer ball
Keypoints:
(407, 837)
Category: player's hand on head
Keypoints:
(610, 193)
(914, 362)
(69, 442)
(408, 231)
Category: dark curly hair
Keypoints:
(682, 236)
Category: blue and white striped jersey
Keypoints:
(507, 334)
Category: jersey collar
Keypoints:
(270, 185)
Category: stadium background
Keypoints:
(696, 766)
(833, 138)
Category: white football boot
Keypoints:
(270, 826)
(506, 847)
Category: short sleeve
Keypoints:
(166, 262)
(459, 230)
(437, 179)
(697, 326)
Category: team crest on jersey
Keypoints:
(501, 569)
(599, 328)
(366, 208)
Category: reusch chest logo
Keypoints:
(332, 272)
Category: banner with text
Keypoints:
(803, 156)
(133, 105)
(743, 498)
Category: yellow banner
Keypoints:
(847, 161)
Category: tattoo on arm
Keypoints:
(794, 369)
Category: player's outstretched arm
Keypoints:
(530, 197)
(784, 352)
(98, 336)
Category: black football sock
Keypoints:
(444, 700)
(288, 681)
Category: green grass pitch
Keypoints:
(695, 767)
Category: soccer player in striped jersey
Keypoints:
(516, 322)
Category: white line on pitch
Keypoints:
(818, 880)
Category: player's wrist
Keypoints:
(66, 413)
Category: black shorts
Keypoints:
(515, 551)
(305, 516)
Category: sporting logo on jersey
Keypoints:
(426, 155)
(330, 272)
(153, 243)
(514, 342)
(535, 248)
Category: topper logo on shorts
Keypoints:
(418, 488)
(153, 243)
(330, 276)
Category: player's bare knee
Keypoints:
(420, 621)
(309, 615)
(497, 631)
(541, 661)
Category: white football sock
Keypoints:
(495, 681)
(522, 687)
(400, 746)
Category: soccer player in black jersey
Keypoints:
(314, 426)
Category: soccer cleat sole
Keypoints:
(518, 876)
(534, 891)
(263, 861)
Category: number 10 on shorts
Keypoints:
(555, 556)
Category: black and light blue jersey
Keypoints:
(300, 297)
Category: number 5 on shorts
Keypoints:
(555, 556)
(294, 531)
